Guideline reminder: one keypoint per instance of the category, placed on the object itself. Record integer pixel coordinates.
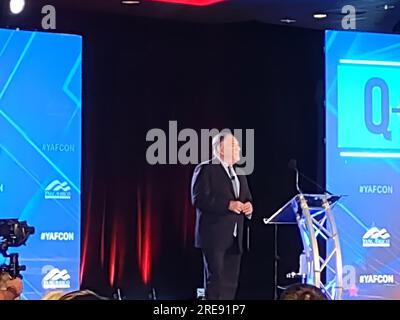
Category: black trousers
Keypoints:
(221, 272)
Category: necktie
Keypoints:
(235, 189)
(234, 181)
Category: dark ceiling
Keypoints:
(371, 14)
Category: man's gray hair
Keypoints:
(218, 139)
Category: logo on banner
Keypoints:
(58, 190)
(1, 187)
(57, 236)
(376, 189)
(58, 147)
(55, 278)
(375, 237)
(377, 278)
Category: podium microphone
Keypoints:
(293, 165)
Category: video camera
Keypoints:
(13, 233)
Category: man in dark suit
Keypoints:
(222, 199)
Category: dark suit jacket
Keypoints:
(212, 190)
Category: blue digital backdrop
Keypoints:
(40, 153)
(363, 158)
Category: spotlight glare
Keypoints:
(288, 21)
(388, 7)
(320, 15)
(16, 6)
(130, 2)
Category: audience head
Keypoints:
(82, 295)
(53, 295)
(303, 292)
(74, 295)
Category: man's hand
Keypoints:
(235, 206)
(247, 208)
(15, 286)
